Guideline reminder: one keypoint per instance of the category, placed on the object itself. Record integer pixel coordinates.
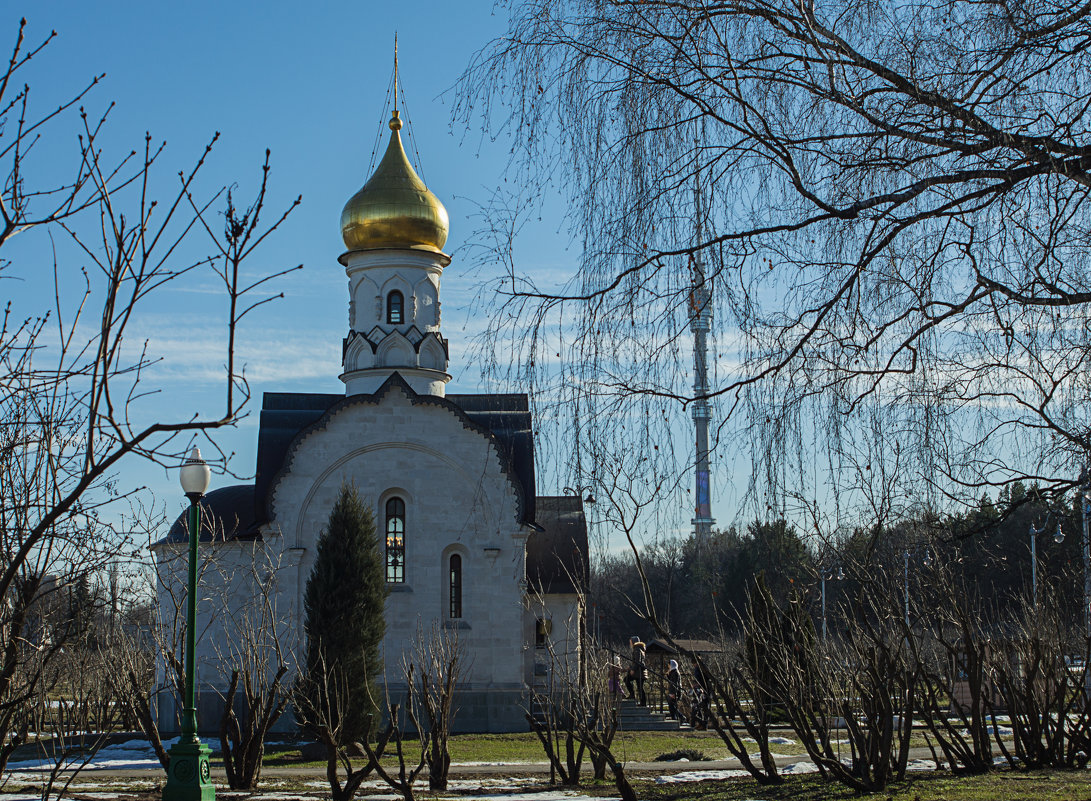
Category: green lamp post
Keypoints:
(188, 776)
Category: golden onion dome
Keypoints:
(394, 209)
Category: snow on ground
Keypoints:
(799, 767)
(920, 764)
(701, 776)
(781, 741)
(128, 755)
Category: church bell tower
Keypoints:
(394, 229)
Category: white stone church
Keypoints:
(469, 545)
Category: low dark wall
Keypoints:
(478, 711)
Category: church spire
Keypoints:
(394, 229)
(394, 209)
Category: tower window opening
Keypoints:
(395, 541)
(395, 308)
(455, 583)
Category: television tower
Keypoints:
(700, 323)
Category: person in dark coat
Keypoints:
(638, 671)
(638, 667)
(674, 689)
(699, 709)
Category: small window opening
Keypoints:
(395, 540)
(455, 609)
(395, 308)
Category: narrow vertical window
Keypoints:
(395, 540)
(395, 308)
(455, 583)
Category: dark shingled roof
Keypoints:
(227, 513)
(285, 415)
(557, 556)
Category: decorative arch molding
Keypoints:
(391, 492)
(363, 310)
(396, 383)
(432, 354)
(396, 351)
(359, 353)
(426, 302)
(397, 283)
(470, 479)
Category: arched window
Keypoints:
(395, 540)
(395, 308)
(455, 583)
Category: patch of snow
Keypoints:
(920, 764)
(701, 776)
(781, 741)
(797, 768)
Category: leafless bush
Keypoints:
(439, 664)
(1041, 678)
(320, 710)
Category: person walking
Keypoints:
(699, 711)
(674, 689)
(638, 671)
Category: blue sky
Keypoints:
(307, 81)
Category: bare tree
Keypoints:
(73, 405)
(576, 713)
(889, 204)
(260, 657)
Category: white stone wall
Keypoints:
(561, 653)
(457, 498)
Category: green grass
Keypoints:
(524, 747)
(1040, 785)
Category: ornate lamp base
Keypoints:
(188, 778)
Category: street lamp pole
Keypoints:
(188, 774)
(926, 561)
(1085, 504)
(905, 554)
(1058, 537)
(839, 576)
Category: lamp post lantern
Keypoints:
(578, 491)
(188, 775)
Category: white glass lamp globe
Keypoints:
(195, 474)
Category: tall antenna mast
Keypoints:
(700, 323)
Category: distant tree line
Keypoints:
(701, 591)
